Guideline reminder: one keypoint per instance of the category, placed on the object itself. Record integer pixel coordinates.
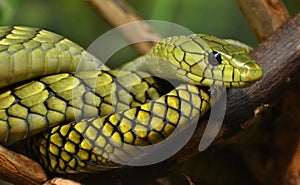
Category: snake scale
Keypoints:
(82, 120)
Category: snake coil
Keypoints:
(85, 121)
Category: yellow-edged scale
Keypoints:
(77, 114)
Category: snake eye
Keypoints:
(214, 58)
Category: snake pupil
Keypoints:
(214, 58)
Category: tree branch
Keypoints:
(19, 169)
(264, 16)
(117, 13)
(279, 57)
(284, 122)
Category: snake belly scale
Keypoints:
(72, 104)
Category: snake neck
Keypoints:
(158, 67)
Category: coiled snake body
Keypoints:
(88, 116)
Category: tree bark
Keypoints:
(264, 16)
(19, 169)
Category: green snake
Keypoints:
(75, 114)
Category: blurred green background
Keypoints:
(80, 22)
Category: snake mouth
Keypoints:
(244, 79)
(239, 84)
(231, 84)
(247, 77)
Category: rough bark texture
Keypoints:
(19, 169)
(280, 137)
(264, 16)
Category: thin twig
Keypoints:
(117, 13)
(188, 178)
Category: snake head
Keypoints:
(207, 60)
(231, 63)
